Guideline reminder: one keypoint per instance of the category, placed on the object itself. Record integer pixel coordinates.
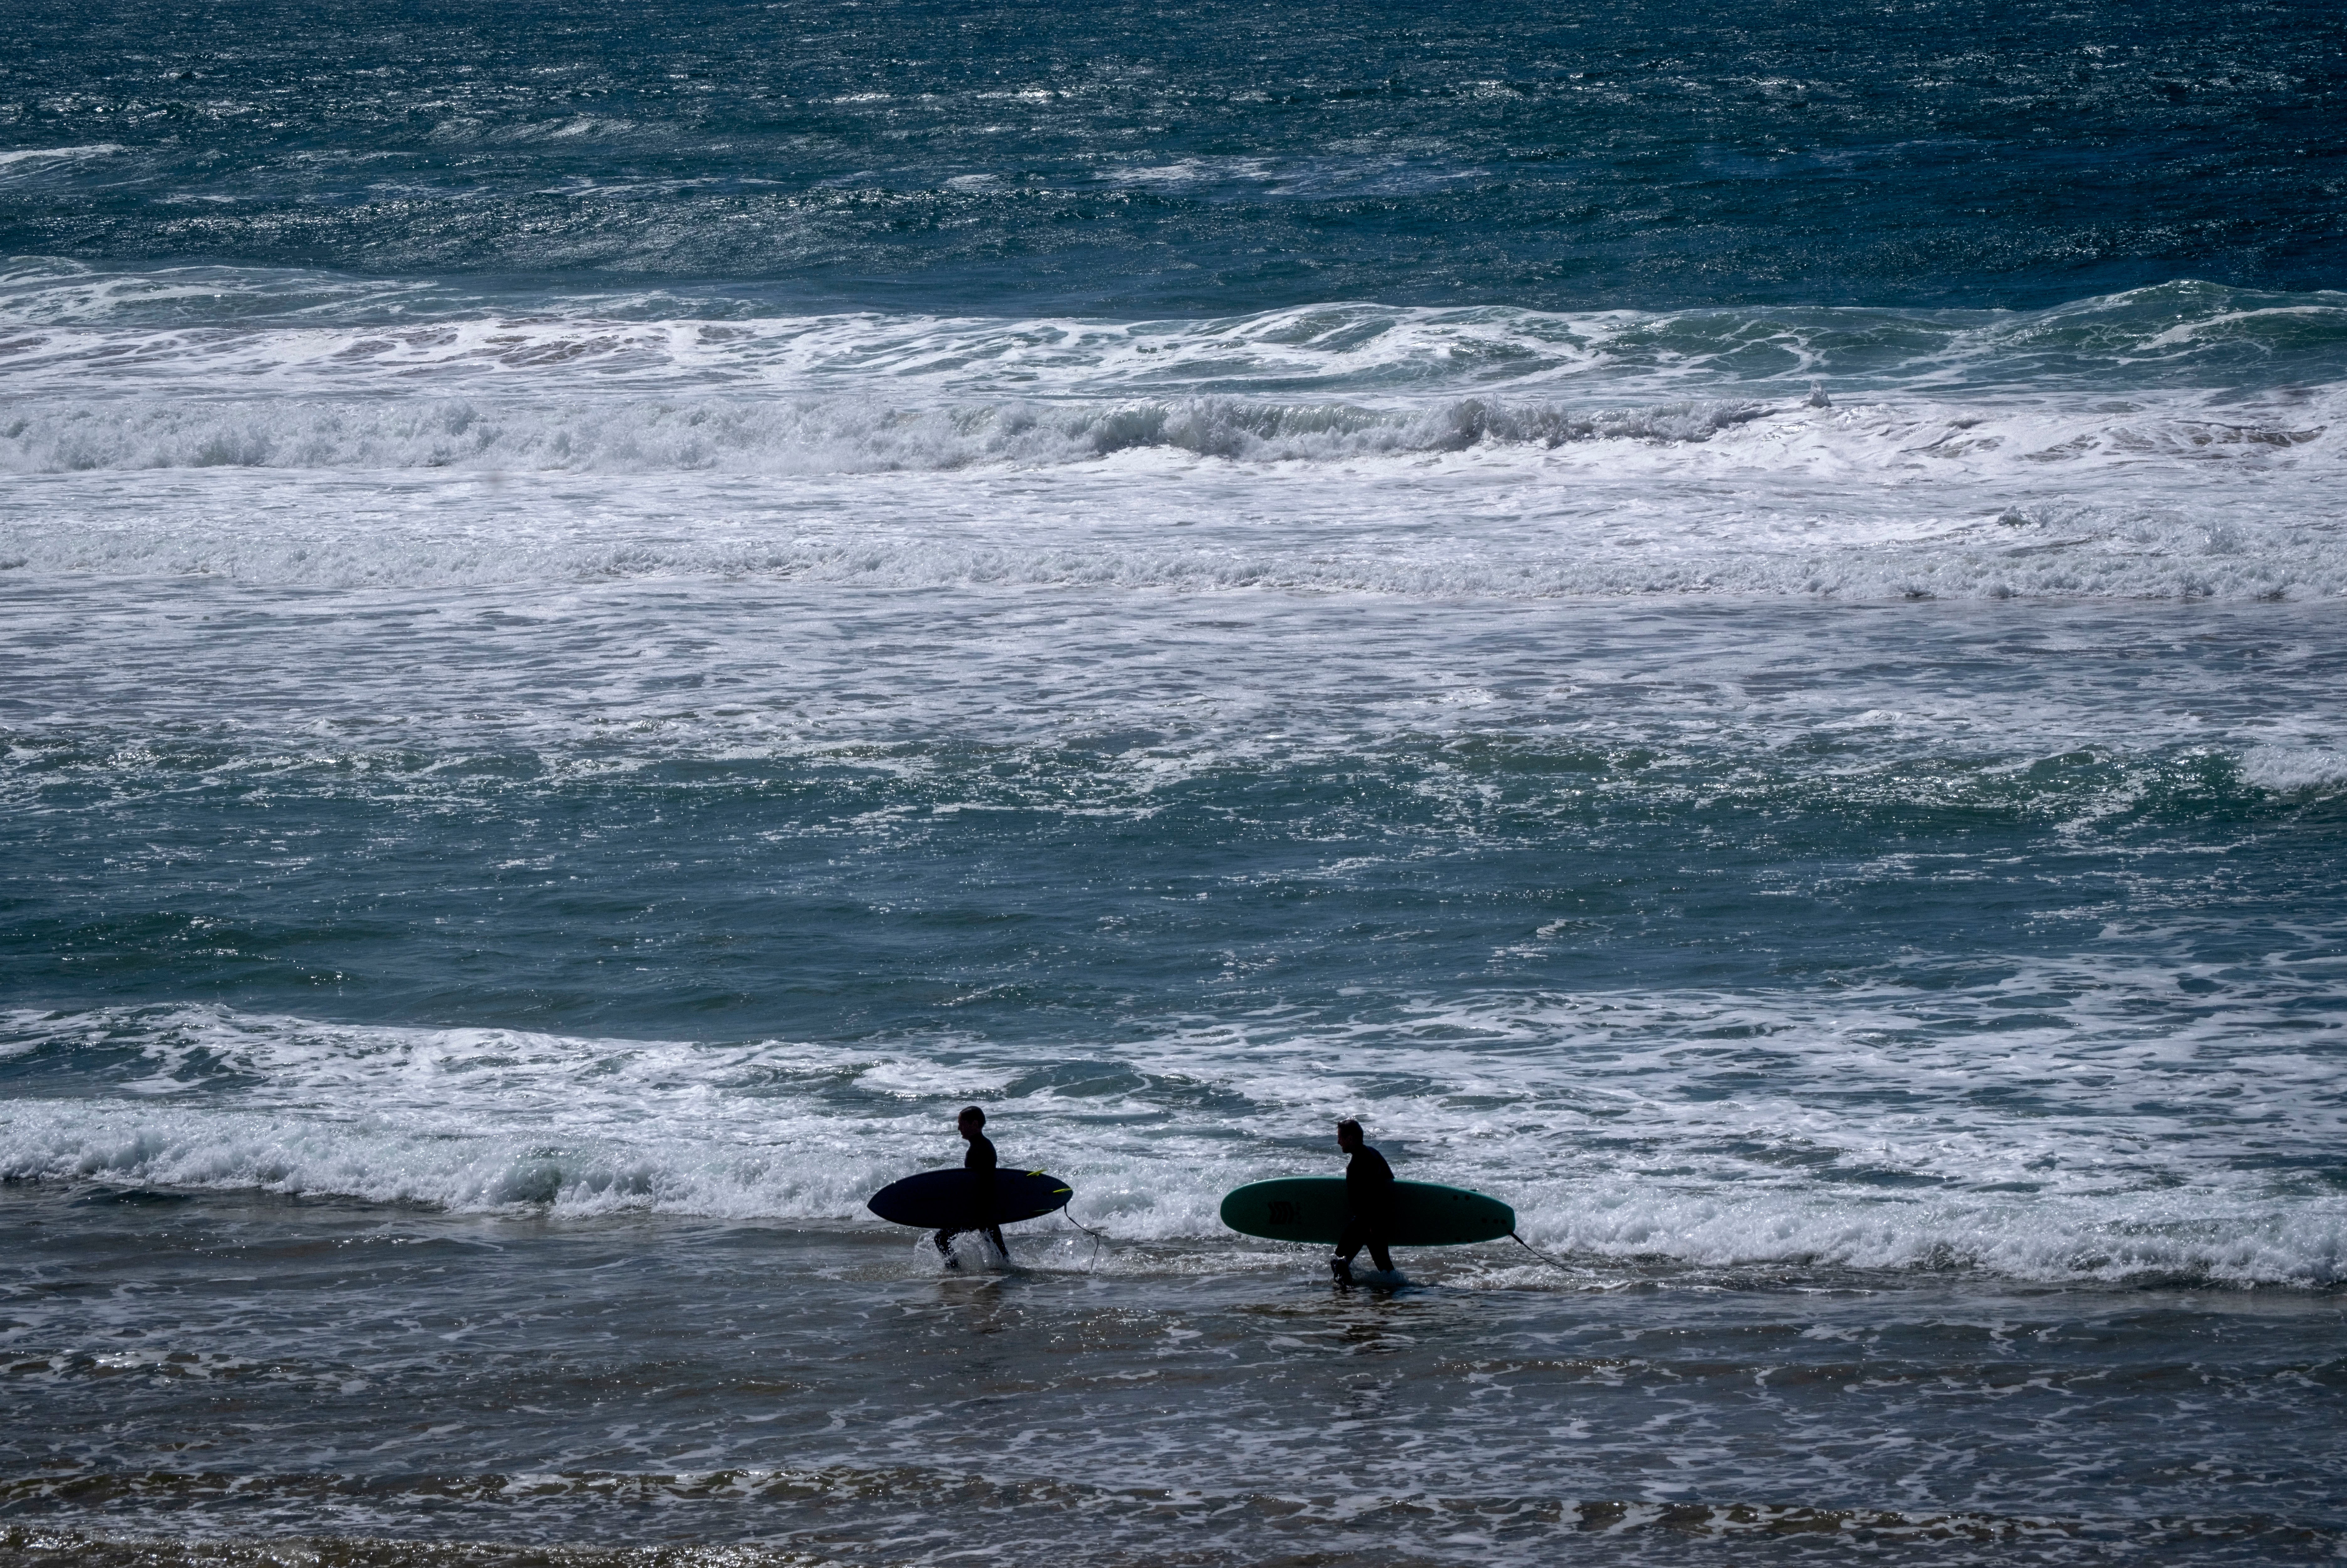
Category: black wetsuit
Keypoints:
(979, 1163)
(1368, 1208)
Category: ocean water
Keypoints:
(1726, 627)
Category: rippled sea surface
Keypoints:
(1728, 628)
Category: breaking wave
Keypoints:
(776, 436)
(2122, 1173)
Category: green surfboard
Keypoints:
(1312, 1209)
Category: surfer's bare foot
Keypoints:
(1340, 1270)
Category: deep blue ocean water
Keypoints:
(1724, 626)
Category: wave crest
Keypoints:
(629, 435)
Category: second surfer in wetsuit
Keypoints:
(1368, 1205)
(979, 1163)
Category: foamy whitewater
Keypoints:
(1731, 635)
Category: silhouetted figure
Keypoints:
(1368, 1205)
(979, 1163)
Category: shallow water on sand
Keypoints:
(233, 1367)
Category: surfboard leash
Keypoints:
(1538, 1253)
(1100, 1239)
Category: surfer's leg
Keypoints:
(1379, 1255)
(1348, 1244)
(944, 1243)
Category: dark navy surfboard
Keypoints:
(940, 1200)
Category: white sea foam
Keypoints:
(2295, 768)
(1606, 518)
(1104, 701)
(2081, 452)
(1873, 1130)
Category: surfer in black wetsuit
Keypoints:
(1368, 1205)
(979, 1163)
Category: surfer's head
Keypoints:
(1349, 1135)
(970, 1120)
